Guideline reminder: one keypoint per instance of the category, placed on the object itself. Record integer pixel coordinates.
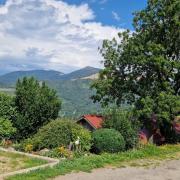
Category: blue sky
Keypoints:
(123, 8)
(60, 35)
(104, 10)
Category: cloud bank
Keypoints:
(50, 34)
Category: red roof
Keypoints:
(94, 120)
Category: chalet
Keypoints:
(91, 122)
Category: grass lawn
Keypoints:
(141, 157)
(10, 162)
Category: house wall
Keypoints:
(86, 125)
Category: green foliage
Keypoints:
(59, 152)
(6, 129)
(54, 134)
(74, 92)
(76, 97)
(7, 108)
(85, 137)
(18, 146)
(161, 110)
(61, 133)
(108, 140)
(22, 146)
(145, 64)
(36, 104)
(121, 120)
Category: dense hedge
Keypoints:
(60, 133)
(108, 140)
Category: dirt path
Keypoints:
(169, 170)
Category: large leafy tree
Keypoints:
(36, 105)
(144, 64)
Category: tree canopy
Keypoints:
(144, 64)
(7, 109)
(36, 105)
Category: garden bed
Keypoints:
(10, 162)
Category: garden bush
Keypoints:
(26, 145)
(59, 152)
(7, 107)
(120, 120)
(59, 133)
(6, 129)
(107, 140)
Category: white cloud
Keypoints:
(50, 34)
(116, 16)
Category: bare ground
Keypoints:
(168, 170)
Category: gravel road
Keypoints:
(169, 170)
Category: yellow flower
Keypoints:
(28, 148)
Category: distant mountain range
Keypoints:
(47, 75)
(73, 88)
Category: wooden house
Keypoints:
(91, 122)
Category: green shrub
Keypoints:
(120, 120)
(85, 137)
(59, 152)
(61, 133)
(108, 140)
(6, 129)
(18, 146)
(22, 146)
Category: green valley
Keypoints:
(73, 88)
